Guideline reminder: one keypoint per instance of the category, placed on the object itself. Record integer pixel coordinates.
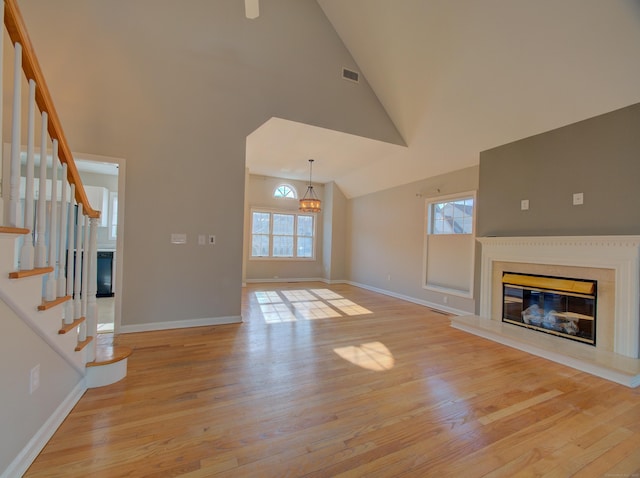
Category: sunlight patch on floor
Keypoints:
(371, 356)
(298, 295)
(305, 304)
(315, 310)
(268, 297)
(277, 313)
(349, 307)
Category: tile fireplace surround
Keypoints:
(614, 261)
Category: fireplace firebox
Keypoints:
(555, 305)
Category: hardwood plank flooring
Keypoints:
(337, 381)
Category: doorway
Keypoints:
(103, 178)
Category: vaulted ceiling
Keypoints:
(442, 80)
(459, 77)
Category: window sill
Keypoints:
(466, 294)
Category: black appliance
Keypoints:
(105, 274)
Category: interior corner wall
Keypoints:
(334, 240)
(260, 195)
(386, 233)
(22, 414)
(598, 157)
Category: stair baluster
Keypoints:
(68, 308)
(85, 268)
(61, 288)
(53, 223)
(14, 192)
(92, 305)
(41, 220)
(26, 254)
(77, 305)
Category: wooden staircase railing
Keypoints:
(69, 277)
(18, 34)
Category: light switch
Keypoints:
(201, 240)
(524, 205)
(578, 199)
(212, 240)
(178, 238)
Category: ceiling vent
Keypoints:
(350, 75)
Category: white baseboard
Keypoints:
(29, 453)
(180, 324)
(431, 305)
(285, 279)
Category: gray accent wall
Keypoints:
(599, 157)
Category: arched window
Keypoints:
(285, 191)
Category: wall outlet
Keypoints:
(524, 205)
(34, 379)
(212, 240)
(578, 199)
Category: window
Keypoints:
(282, 235)
(113, 215)
(450, 244)
(451, 217)
(285, 191)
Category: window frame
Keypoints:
(428, 232)
(285, 185)
(112, 222)
(295, 235)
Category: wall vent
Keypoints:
(350, 75)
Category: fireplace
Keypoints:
(610, 263)
(561, 306)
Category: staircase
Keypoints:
(42, 279)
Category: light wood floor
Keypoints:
(327, 381)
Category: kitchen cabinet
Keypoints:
(99, 199)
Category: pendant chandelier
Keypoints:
(310, 202)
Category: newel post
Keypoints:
(92, 305)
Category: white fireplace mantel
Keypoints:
(619, 253)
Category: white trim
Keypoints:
(119, 253)
(295, 236)
(610, 366)
(467, 294)
(180, 324)
(106, 374)
(290, 186)
(620, 253)
(28, 454)
(447, 290)
(283, 279)
(113, 195)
